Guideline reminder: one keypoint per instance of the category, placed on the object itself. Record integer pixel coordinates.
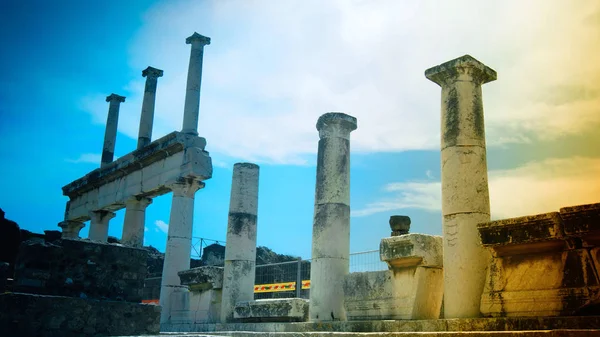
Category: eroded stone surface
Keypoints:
(202, 278)
(272, 310)
(412, 250)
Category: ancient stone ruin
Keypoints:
(536, 275)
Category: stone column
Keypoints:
(240, 249)
(134, 222)
(179, 243)
(465, 196)
(99, 225)
(147, 117)
(331, 226)
(192, 94)
(110, 133)
(71, 229)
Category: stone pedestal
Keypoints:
(465, 196)
(411, 289)
(331, 226)
(71, 229)
(99, 225)
(110, 133)
(205, 285)
(194, 79)
(543, 265)
(134, 222)
(179, 244)
(240, 249)
(147, 116)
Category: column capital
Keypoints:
(336, 124)
(464, 69)
(152, 72)
(196, 39)
(71, 228)
(101, 216)
(141, 202)
(185, 187)
(115, 98)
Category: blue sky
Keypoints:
(271, 70)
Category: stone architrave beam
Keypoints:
(99, 225)
(110, 133)
(465, 196)
(147, 116)
(179, 245)
(192, 95)
(331, 227)
(135, 221)
(240, 250)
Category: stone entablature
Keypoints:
(543, 265)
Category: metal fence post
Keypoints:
(299, 278)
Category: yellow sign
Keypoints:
(276, 287)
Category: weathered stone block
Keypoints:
(202, 278)
(412, 250)
(81, 268)
(272, 310)
(406, 293)
(49, 316)
(583, 222)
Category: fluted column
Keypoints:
(135, 221)
(331, 226)
(110, 133)
(71, 229)
(194, 79)
(179, 243)
(465, 196)
(99, 225)
(147, 116)
(240, 249)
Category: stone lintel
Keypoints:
(152, 72)
(412, 250)
(464, 68)
(272, 310)
(581, 220)
(115, 98)
(157, 150)
(347, 122)
(202, 278)
(197, 38)
(522, 230)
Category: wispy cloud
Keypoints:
(537, 187)
(87, 158)
(286, 62)
(161, 226)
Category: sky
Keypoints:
(272, 68)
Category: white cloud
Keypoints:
(145, 229)
(274, 66)
(88, 158)
(162, 226)
(536, 187)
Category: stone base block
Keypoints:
(409, 293)
(272, 310)
(49, 316)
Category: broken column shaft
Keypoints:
(465, 196)
(134, 222)
(99, 225)
(331, 226)
(147, 117)
(179, 243)
(240, 249)
(110, 133)
(194, 79)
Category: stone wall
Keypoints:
(79, 268)
(50, 316)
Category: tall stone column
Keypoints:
(331, 226)
(110, 133)
(71, 229)
(240, 249)
(192, 94)
(99, 225)
(465, 196)
(179, 243)
(134, 222)
(147, 117)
